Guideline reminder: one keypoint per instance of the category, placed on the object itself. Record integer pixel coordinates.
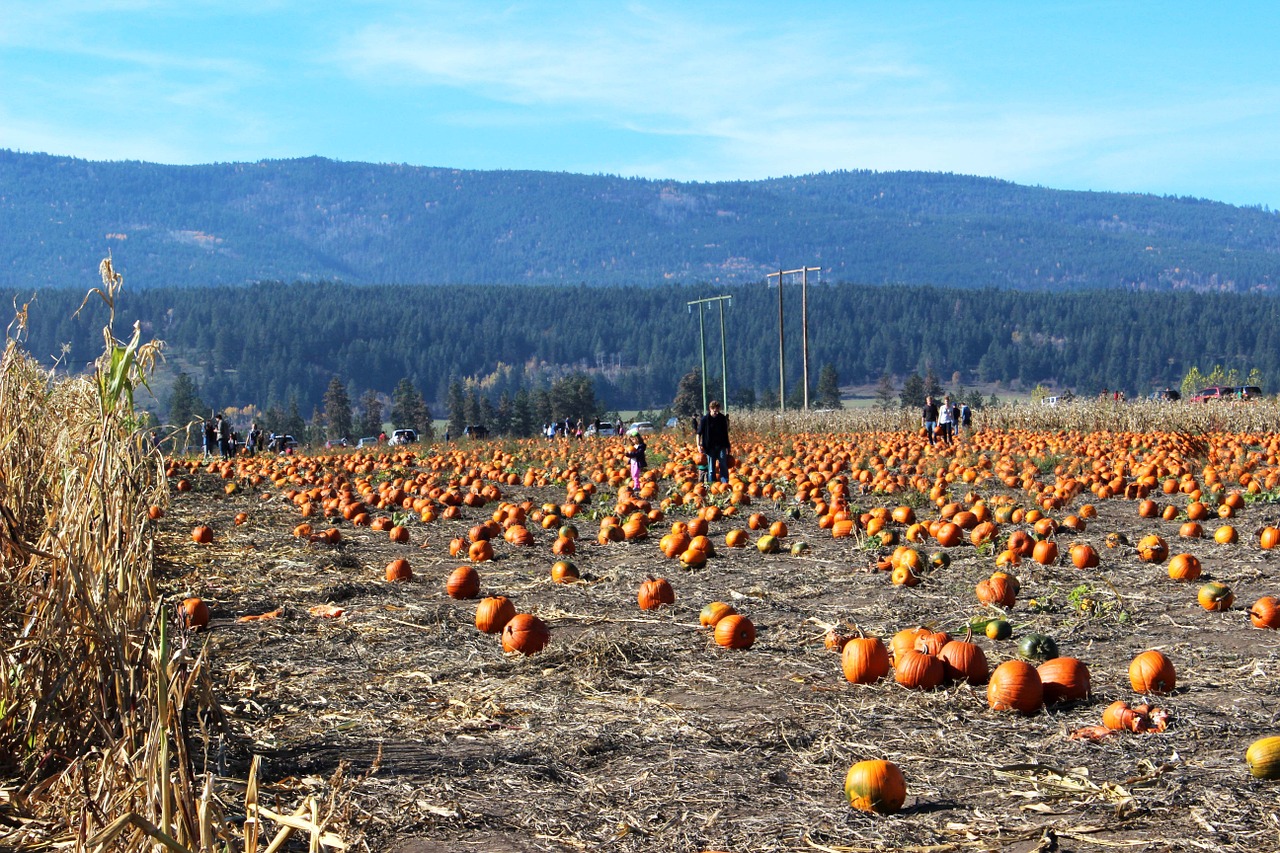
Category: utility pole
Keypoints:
(804, 327)
(724, 365)
(804, 331)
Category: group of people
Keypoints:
(943, 422)
(568, 429)
(219, 438)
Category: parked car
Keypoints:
(367, 441)
(672, 423)
(404, 436)
(605, 429)
(476, 431)
(1249, 392)
(1214, 392)
(280, 443)
(334, 443)
(641, 428)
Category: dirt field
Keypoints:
(634, 731)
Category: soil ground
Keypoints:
(634, 731)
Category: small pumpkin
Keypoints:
(564, 571)
(1153, 549)
(493, 613)
(1152, 672)
(463, 582)
(654, 593)
(195, 613)
(1216, 596)
(1265, 613)
(202, 534)
(735, 631)
(1039, 647)
(1263, 758)
(1268, 537)
(1184, 567)
(998, 629)
(875, 786)
(398, 570)
(1083, 556)
(714, 612)
(768, 544)
(864, 660)
(1015, 686)
(526, 634)
(398, 534)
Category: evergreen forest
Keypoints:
(281, 346)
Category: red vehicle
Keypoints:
(1227, 392)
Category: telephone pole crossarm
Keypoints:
(724, 372)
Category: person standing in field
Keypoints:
(946, 421)
(713, 439)
(638, 462)
(929, 417)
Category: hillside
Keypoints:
(314, 219)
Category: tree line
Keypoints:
(527, 354)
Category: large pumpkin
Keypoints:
(1015, 686)
(525, 633)
(865, 660)
(1152, 672)
(964, 661)
(875, 786)
(918, 670)
(1064, 680)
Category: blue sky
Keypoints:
(1167, 98)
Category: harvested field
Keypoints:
(633, 730)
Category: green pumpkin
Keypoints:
(1039, 647)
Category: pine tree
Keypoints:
(185, 404)
(827, 394)
(885, 395)
(457, 408)
(337, 410)
(913, 393)
(370, 414)
(932, 387)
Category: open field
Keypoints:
(633, 730)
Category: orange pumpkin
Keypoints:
(654, 593)
(195, 613)
(1184, 567)
(735, 631)
(1064, 680)
(1152, 672)
(398, 570)
(864, 660)
(875, 786)
(714, 612)
(918, 670)
(1015, 686)
(525, 633)
(1265, 613)
(463, 582)
(492, 614)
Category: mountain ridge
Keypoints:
(315, 219)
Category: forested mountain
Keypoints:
(275, 344)
(320, 220)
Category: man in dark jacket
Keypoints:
(929, 416)
(713, 439)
